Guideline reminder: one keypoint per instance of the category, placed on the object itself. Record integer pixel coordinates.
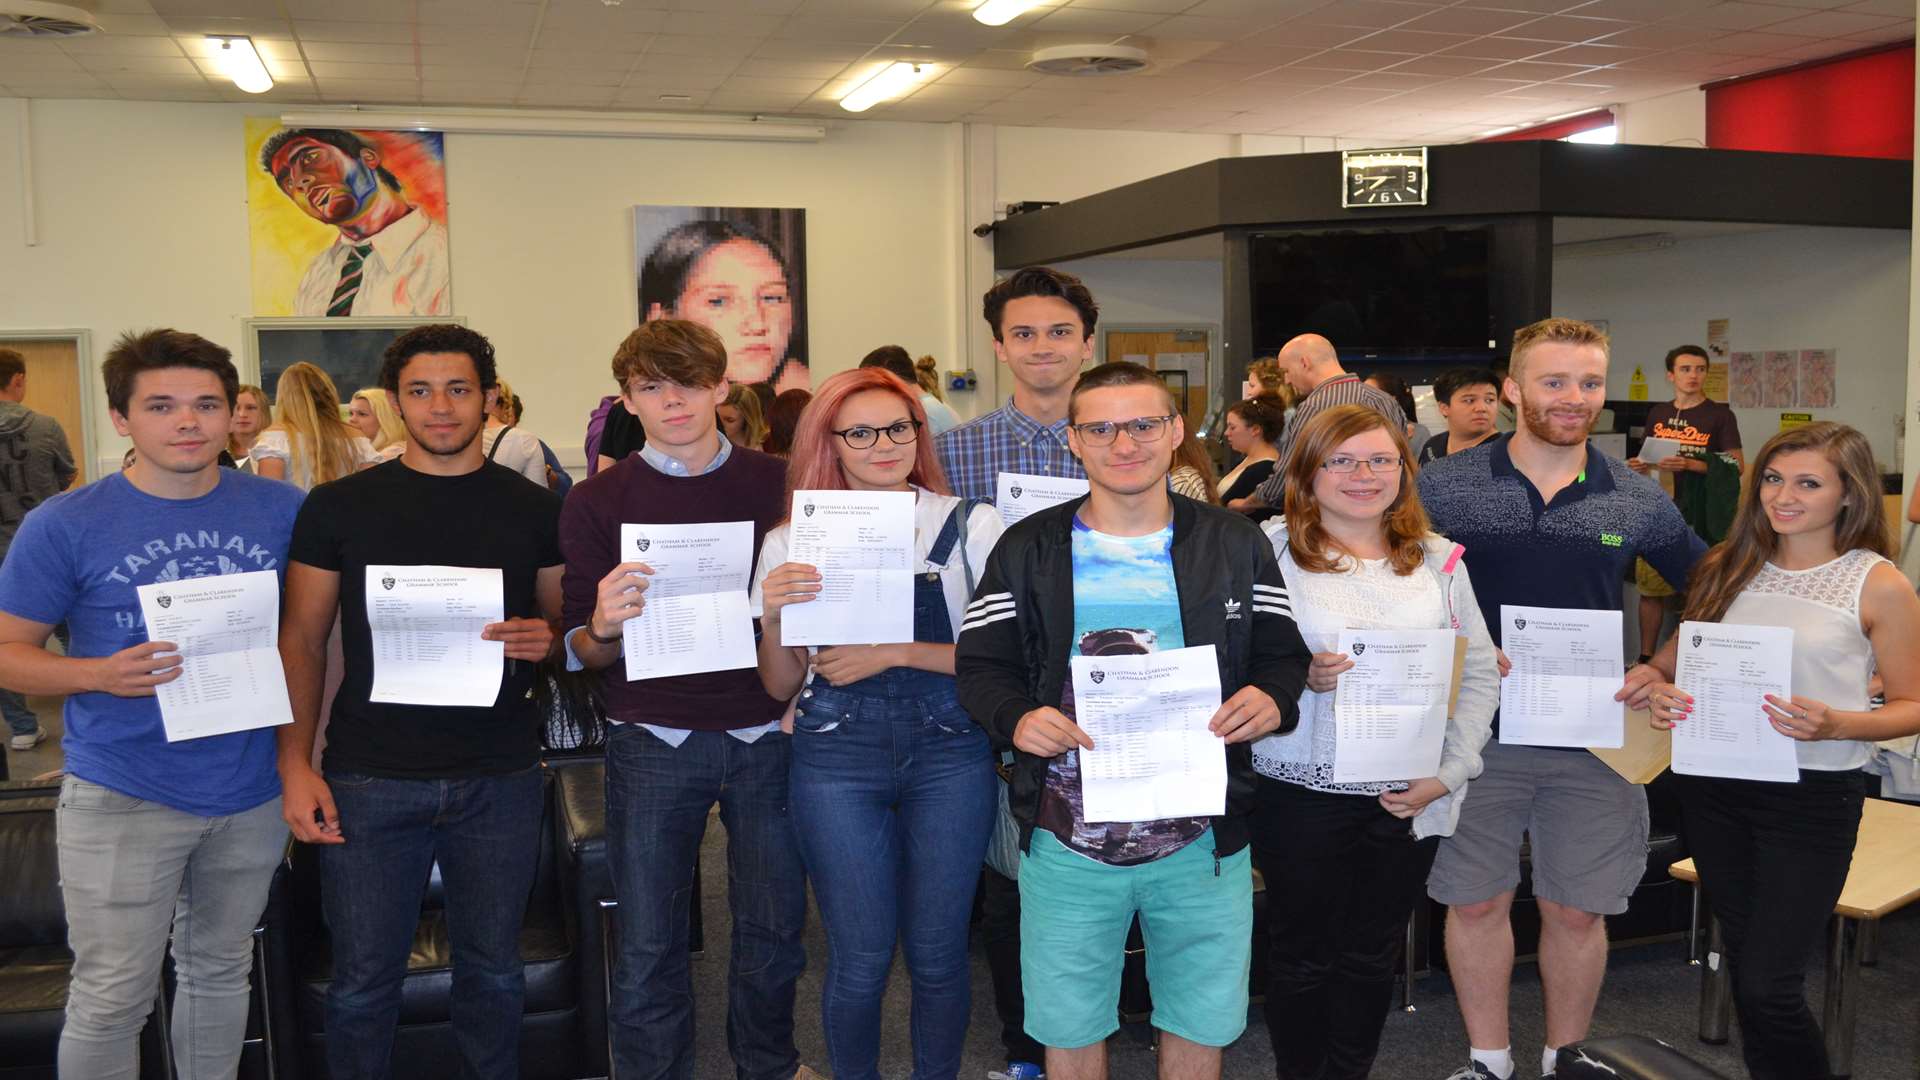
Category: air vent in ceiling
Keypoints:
(27, 19)
(1085, 60)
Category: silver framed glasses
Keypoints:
(1141, 429)
(1378, 464)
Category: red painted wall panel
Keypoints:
(1859, 106)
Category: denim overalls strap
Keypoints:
(932, 623)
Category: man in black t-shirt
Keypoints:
(408, 785)
(1468, 399)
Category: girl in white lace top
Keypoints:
(1345, 862)
(1807, 551)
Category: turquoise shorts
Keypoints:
(1196, 917)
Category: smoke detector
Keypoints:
(22, 20)
(1085, 60)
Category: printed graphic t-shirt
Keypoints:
(78, 558)
(1124, 602)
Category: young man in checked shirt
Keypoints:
(1042, 321)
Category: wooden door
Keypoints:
(54, 387)
(1183, 356)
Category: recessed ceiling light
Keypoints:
(241, 62)
(1002, 12)
(887, 83)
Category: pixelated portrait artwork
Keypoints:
(741, 272)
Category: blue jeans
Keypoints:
(893, 799)
(20, 719)
(657, 801)
(485, 834)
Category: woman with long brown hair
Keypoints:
(1345, 862)
(1808, 551)
(1192, 474)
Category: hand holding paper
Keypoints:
(1728, 672)
(1565, 673)
(694, 616)
(1148, 716)
(861, 542)
(427, 625)
(225, 629)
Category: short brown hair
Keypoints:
(12, 364)
(1120, 373)
(152, 350)
(1556, 332)
(674, 350)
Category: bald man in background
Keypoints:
(1313, 368)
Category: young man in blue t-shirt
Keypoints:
(145, 824)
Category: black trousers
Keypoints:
(1342, 876)
(1000, 933)
(1772, 859)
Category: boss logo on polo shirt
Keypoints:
(1612, 539)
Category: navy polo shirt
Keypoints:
(1575, 552)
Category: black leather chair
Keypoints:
(553, 1042)
(1628, 1057)
(35, 964)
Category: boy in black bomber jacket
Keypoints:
(1129, 568)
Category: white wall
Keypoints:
(1797, 288)
(1153, 291)
(141, 218)
(1677, 119)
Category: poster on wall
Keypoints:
(347, 222)
(1779, 379)
(1817, 379)
(1743, 372)
(741, 272)
(1719, 333)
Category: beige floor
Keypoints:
(45, 758)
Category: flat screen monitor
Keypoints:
(1403, 292)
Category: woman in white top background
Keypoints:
(505, 442)
(372, 414)
(1808, 550)
(891, 788)
(252, 414)
(308, 443)
(1345, 863)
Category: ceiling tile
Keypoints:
(1371, 13)
(865, 31)
(1894, 31)
(566, 97)
(1735, 16)
(1298, 34)
(1639, 10)
(1662, 36)
(1419, 42)
(1570, 28)
(1165, 7)
(747, 7)
(703, 24)
(339, 52)
(1682, 60)
(835, 51)
(462, 56)
(1076, 20)
(330, 70)
(108, 64)
(1502, 48)
(1393, 80)
(380, 11)
(502, 14)
(1593, 55)
(334, 30)
(1446, 65)
(1244, 9)
(747, 84)
(863, 9)
(44, 61)
(573, 77)
(1468, 20)
(1353, 60)
(104, 45)
(1900, 9)
(1764, 43)
(368, 89)
(589, 41)
(717, 47)
(570, 60)
(598, 18)
(790, 69)
(972, 76)
(1832, 24)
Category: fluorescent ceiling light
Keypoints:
(887, 83)
(240, 61)
(547, 122)
(1002, 12)
(1602, 136)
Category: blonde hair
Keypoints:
(743, 397)
(309, 409)
(1554, 332)
(266, 416)
(926, 372)
(392, 431)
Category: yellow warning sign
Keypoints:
(1637, 389)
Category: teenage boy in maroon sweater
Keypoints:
(680, 744)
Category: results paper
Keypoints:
(1655, 449)
(227, 628)
(425, 623)
(1019, 494)
(1566, 669)
(1153, 757)
(1727, 669)
(1390, 710)
(861, 542)
(696, 616)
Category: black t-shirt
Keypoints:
(1436, 448)
(622, 434)
(390, 514)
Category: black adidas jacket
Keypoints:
(1018, 634)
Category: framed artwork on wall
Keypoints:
(349, 350)
(739, 271)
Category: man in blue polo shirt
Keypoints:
(154, 836)
(1558, 524)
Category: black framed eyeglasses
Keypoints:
(1141, 429)
(861, 436)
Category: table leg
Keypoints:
(1870, 943)
(1716, 988)
(1842, 1006)
(1406, 963)
(1693, 930)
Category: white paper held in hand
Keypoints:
(1153, 757)
(1390, 709)
(1018, 494)
(426, 622)
(1728, 669)
(1566, 669)
(227, 629)
(861, 542)
(696, 616)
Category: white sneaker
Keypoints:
(1473, 1071)
(28, 741)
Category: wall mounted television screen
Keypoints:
(1408, 292)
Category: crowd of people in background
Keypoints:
(899, 778)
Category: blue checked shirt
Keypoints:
(1005, 440)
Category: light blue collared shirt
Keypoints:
(671, 466)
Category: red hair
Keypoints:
(814, 464)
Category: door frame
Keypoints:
(85, 455)
(1216, 393)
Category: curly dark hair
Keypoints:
(1039, 281)
(344, 141)
(438, 338)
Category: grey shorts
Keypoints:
(1586, 825)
